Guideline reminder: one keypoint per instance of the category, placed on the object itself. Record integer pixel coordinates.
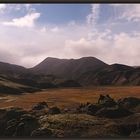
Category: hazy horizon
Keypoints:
(32, 32)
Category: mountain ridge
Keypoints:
(68, 68)
(55, 72)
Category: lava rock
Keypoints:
(42, 132)
(92, 109)
(129, 102)
(54, 110)
(40, 106)
(106, 101)
(27, 124)
(15, 113)
(115, 112)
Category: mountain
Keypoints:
(68, 68)
(11, 69)
(115, 74)
(90, 71)
(55, 73)
(16, 79)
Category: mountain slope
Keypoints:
(90, 71)
(68, 68)
(54, 72)
(16, 79)
(11, 69)
(115, 74)
(10, 87)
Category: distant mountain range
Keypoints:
(68, 68)
(90, 71)
(54, 72)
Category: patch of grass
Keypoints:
(71, 97)
(79, 125)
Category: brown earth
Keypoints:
(68, 97)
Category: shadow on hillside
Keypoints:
(16, 91)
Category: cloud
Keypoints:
(13, 8)
(38, 43)
(122, 48)
(29, 46)
(27, 6)
(2, 7)
(133, 14)
(26, 21)
(94, 15)
(129, 12)
(55, 29)
(34, 45)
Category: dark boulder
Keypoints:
(42, 132)
(103, 102)
(127, 129)
(20, 130)
(8, 119)
(88, 108)
(129, 102)
(14, 113)
(130, 125)
(10, 130)
(106, 101)
(123, 129)
(11, 127)
(40, 106)
(54, 110)
(2, 121)
(27, 124)
(92, 109)
(115, 112)
(135, 134)
(17, 122)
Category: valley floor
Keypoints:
(68, 97)
(72, 113)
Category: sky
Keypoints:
(29, 33)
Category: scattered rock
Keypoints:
(129, 102)
(54, 110)
(40, 106)
(103, 102)
(28, 123)
(10, 130)
(20, 130)
(42, 132)
(115, 112)
(8, 120)
(88, 108)
(15, 113)
(135, 134)
(41, 121)
(106, 101)
(127, 129)
(92, 109)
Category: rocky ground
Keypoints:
(106, 118)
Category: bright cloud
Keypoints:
(26, 21)
(2, 7)
(55, 29)
(130, 12)
(122, 48)
(94, 15)
(112, 43)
